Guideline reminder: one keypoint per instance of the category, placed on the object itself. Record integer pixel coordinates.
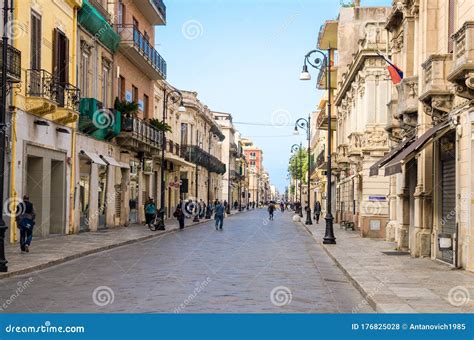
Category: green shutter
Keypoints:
(93, 21)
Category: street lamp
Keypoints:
(196, 187)
(299, 166)
(305, 124)
(322, 62)
(5, 85)
(175, 96)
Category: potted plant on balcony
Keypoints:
(128, 111)
(159, 125)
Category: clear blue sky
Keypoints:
(244, 57)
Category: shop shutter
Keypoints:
(118, 201)
(448, 203)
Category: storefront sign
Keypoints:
(377, 198)
(128, 96)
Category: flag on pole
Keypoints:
(395, 73)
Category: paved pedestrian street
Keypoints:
(252, 266)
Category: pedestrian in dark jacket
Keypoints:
(150, 211)
(271, 210)
(179, 214)
(219, 215)
(25, 219)
(317, 211)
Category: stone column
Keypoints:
(93, 217)
(125, 187)
(403, 212)
(110, 196)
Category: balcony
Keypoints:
(196, 155)
(462, 70)
(407, 109)
(153, 10)
(102, 124)
(141, 52)
(139, 136)
(322, 121)
(13, 63)
(341, 157)
(355, 144)
(321, 160)
(50, 99)
(96, 20)
(436, 94)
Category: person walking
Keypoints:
(179, 214)
(317, 211)
(150, 211)
(219, 215)
(271, 210)
(25, 222)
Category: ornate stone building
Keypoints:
(363, 90)
(431, 124)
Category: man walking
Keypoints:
(219, 215)
(25, 221)
(317, 211)
(271, 210)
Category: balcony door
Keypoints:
(60, 64)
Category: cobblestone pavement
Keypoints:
(253, 265)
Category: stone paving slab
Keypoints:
(398, 284)
(49, 251)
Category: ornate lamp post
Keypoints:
(299, 166)
(175, 96)
(322, 62)
(305, 124)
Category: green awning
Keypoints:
(93, 21)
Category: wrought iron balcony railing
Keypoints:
(13, 63)
(142, 131)
(196, 155)
(131, 34)
(41, 83)
(160, 5)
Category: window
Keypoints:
(184, 134)
(121, 88)
(35, 56)
(106, 84)
(146, 106)
(84, 74)
(134, 94)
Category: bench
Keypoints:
(343, 224)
